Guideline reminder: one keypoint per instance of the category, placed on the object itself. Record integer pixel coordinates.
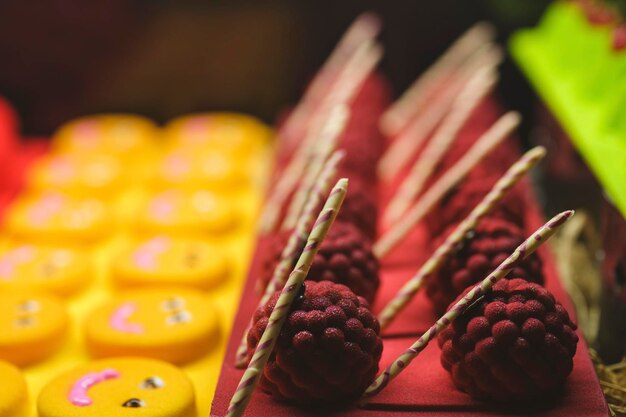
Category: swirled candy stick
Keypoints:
(296, 242)
(432, 265)
(527, 247)
(290, 291)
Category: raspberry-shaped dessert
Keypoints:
(459, 202)
(345, 257)
(515, 344)
(328, 349)
(491, 242)
(359, 207)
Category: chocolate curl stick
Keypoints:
(328, 139)
(360, 65)
(404, 146)
(488, 140)
(251, 376)
(531, 244)
(476, 89)
(413, 100)
(363, 29)
(295, 243)
(432, 265)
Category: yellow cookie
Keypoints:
(33, 269)
(164, 260)
(58, 217)
(136, 387)
(172, 325)
(118, 134)
(187, 212)
(31, 327)
(14, 393)
(234, 133)
(79, 174)
(204, 169)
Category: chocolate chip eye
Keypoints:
(24, 321)
(28, 306)
(48, 269)
(191, 259)
(153, 382)
(134, 403)
(179, 317)
(174, 303)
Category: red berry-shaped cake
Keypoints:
(491, 242)
(345, 257)
(328, 349)
(515, 344)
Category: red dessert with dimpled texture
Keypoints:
(514, 345)
(328, 349)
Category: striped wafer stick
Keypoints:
(327, 143)
(471, 96)
(288, 294)
(488, 140)
(406, 144)
(432, 265)
(296, 242)
(413, 100)
(539, 237)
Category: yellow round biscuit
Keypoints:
(81, 175)
(168, 261)
(123, 135)
(53, 216)
(14, 393)
(31, 327)
(136, 387)
(233, 133)
(33, 269)
(196, 212)
(175, 325)
(201, 169)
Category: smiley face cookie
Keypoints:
(33, 269)
(136, 387)
(53, 216)
(31, 327)
(169, 261)
(187, 212)
(14, 393)
(172, 325)
(81, 175)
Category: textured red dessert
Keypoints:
(360, 207)
(328, 349)
(514, 345)
(493, 240)
(459, 202)
(345, 257)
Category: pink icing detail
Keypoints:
(118, 319)
(145, 256)
(86, 133)
(161, 207)
(61, 169)
(45, 208)
(78, 393)
(13, 258)
(176, 166)
(195, 129)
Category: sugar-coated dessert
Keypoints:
(491, 242)
(516, 344)
(14, 393)
(119, 387)
(328, 349)
(176, 326)
(32, 327)
(360, 207)
(345, 257)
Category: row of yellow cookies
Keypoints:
(61, 231)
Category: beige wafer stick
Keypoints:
(413, 100)
(432, 265)
(531, 244)
(296, 241)
(488, 140)
(290, 291)
(406, 144)
(360, 65)
(327, 143)
(471, 96)
(362, 30)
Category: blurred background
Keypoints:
(67, 58)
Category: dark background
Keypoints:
(60, 59)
